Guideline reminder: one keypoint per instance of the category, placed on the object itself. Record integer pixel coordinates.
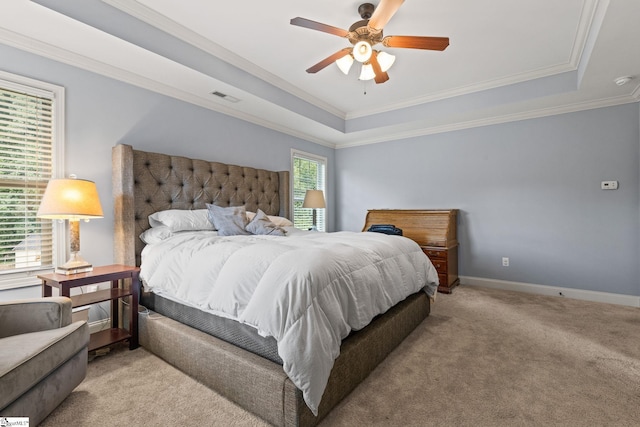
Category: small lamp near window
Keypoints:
(314, 199)
(72, 199)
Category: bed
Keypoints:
(243, 368)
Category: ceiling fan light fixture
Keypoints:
(362, 51)
(365, 34)
(385, 60)
(367, 73)
(345, 63)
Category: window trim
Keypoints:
(57, 93)
(321, 159)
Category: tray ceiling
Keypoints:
(506, 60)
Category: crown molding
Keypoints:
(505, 118)
(585, 28)
(467, 90)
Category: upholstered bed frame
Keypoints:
(144, 183)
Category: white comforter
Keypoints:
(307, 290)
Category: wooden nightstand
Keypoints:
(117, 275)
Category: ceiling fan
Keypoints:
(366, 33)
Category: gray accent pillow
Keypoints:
(228, 221)
(261, 224)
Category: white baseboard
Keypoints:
(606, 297)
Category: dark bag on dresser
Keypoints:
(386, 229)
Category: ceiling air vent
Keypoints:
(225, 96)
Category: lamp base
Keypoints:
(76, 264)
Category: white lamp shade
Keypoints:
(314, 199)
(70, 199)
(345, 63)
(367, 72)
(385, 60)
(362, 51)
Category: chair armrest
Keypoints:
(33, 315)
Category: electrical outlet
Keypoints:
(92, 288)
(505, 261)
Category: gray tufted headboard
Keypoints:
(144, 183)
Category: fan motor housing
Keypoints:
(360, 31)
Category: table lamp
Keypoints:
(314, 199)
(72, 199)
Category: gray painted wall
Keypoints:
(528, 190)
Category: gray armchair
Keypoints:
(43, 356)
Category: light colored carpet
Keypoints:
(483, 357)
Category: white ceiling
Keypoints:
(507, 60)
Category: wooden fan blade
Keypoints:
(307, 23)
(416, 42)
(381, 76)
(383, 13)
(328, 60)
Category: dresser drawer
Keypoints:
(440, 265)
(435, 253)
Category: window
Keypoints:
(30, 127)
(309, 173)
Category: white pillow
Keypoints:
(156, 234)
(181, 220)
(280, 221)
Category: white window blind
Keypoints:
(26, 165)
(309, 173)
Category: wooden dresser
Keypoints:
(436, 233)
